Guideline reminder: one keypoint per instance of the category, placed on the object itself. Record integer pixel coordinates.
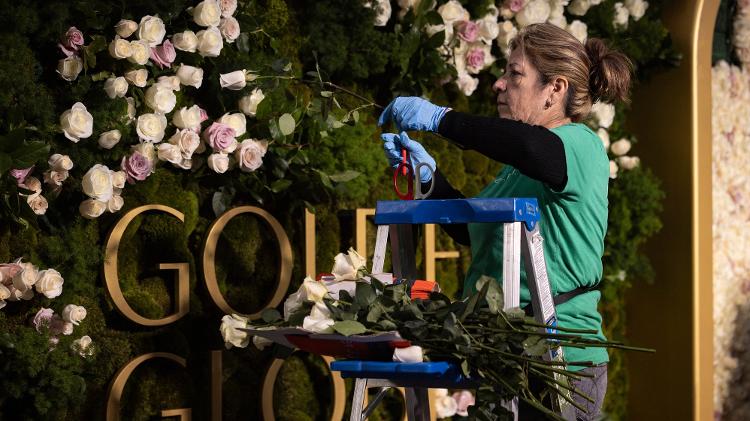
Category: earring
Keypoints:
(547, 105)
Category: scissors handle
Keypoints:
(418, 193)
(407, 171)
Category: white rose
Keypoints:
(507, 31)
(160, 99)
(250, 153)
(347, 266)
(74, 314)
(109, 139)
(185, 41)
(49, 283)
(579, 7)
(169, 152)
(621, 147)
(77, 123)
(612, 169)
(207, 13)
(150, 127)
(466, 83)
(140, 52)
(411, 354)
(603, 113)
(219, 162)
(210, 42)
(319, 320)
(4, 295)
(59, 162)
(116, 87)
(310, 290)
(382, 11)
(558, 21)
(97, 183)
(120, 48)
(187, 142)
(234, 80)
(55, 178)
(452, 11)
(228, 7)
(236, 121)
(138, 77)
(604, 136)
(151, 29)
(628, 162)
(115, 203)
(131, 109)
(445, 406)
(190, 76)
(536, 11)
(230, 331)
(37, 203)
(83, 346)
(259, 342)
(620, 19)
(126, 28)
(146, 149)
(249, 104)
(187, 118)
(636, 8)
(70, 67)
(488, 29)
(118, 179)
(67, 328)
(26, 277)
(91, 208)
(33, 184)
(230, 29)
(579, 30)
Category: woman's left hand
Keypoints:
(392, 145)
(413, 113)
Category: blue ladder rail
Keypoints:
(440, 374)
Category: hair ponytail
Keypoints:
(609, 74)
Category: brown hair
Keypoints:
(594, 72)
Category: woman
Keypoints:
(549, 85)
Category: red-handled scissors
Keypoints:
(413, 180)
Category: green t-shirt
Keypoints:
(573, 224)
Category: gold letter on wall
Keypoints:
(209, 256)
(182, 277)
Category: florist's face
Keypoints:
(520, 93)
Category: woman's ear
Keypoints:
(559, 88)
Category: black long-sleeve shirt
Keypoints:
(535, 151)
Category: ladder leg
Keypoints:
(417, 404)
(358, 399)
(381, 243)
(402, 252)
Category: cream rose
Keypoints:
(74, 314)
(612, 169)
(250, 153)
(118, 179)
(83, 346)
(91, 208)
(507, 31)
(621, 147)
(319, 320)
(236, 121)
(138, 77)
(190, 76)
(604, 114)
(187, 118)
(230, 331)
(636, 8)
(187, 141)
(4, 295)
(37, 203)
(452, 11)
(466, 83)
(604, 136)
(115, 203)
(249, 104)
(116, 87)
(233, 81)
(185, 41)
(97, 183)
(170, 153)
(33, 184)
(70, 67)
(207, 13)
(579, 7)
(628, 162)
(411, 354)
(77, 123)
(210, 42)
(55, 178)
(151, 29)
(49, 283)
(621, 17)
(346, 267)
(536, 11)
(140, 52)
(382, 11)
(146, 149)
(126, 28)
(579, 30)
(150, 127)
(489, 29)
(120, 48)
(59, 162)
(26, 277)
(109, 139)
(230, 29)
(219, 162)
(160, 99)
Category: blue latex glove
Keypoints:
(413, 113)
(393, 143)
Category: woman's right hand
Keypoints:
(393, 143)
(413, 113)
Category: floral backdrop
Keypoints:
(204, 106)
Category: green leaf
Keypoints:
(386, 324)
(376, 310)
(494, 295)
(280, 185)
(436, 40)
(324, 178)
(286, 124)
(433, 18)
(298, 316)
(28, 154)
(273, 127)
(349, 327)
(326, 94)
(243, 42)
(270, 315)
(345, 176)
(364, 294)
(12, 141)
(100, 76)
(6, 163)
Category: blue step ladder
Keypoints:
(520, 218)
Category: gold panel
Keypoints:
(360, 224)
(185, 414)
(209, 258)
(430, 255)
(310, 243)
(671, 115)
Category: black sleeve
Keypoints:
(535, 151)
(442, 189)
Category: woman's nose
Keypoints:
(499, 84)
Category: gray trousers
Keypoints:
(595, 388)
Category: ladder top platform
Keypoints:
(457, 211)
(440, 374)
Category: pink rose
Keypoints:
(204, 114)
(250, 154)
(467, 30)
(21, 174)
(57, 326)
(220, 137)
(163, 55)
(9, 270)
(43, 319)
(475, 58)
(515, 6)
(464, 399)
(136, 167)
(230, 29)
(71, 41)
(227, 7)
